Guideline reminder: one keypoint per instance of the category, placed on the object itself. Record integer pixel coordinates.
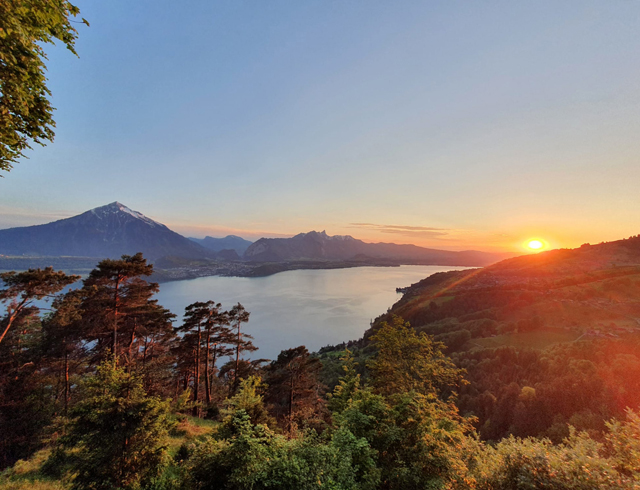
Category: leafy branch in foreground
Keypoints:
(25, 110)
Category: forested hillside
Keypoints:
(547, 340)
(105, 391)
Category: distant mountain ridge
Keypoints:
(230, 242)
(320, 246)
(114, 230)
(107, 231)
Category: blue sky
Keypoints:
(447, 124)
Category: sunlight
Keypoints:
(535, 245)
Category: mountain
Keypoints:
(320, 246)
(230, 242)
(108, 231)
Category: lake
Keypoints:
(302, 307)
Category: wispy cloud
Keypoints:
(404, 230)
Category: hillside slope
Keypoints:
(590, 291)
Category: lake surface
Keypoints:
(302, 307)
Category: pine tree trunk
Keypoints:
(207, 381)
(66, 380)
(131, 341)
(291, 402)
(235, 372)
(213, 365)
(115, 320)
(196, 383)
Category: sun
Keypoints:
(535, 244)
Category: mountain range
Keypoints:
(230, 242)
(113, 230)
(320, 246)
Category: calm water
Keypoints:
(302, 307)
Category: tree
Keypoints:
(63, 337)
(294, 389)
(245, 369)
(244, 456)
(117, 435)
(348, 385)
(184, 351)
(220, 337)
(23, 288)
(250, 399)
(27, 406)
(517, 464)
(149, 328)
(27, 393)
(25, 111)
(194, 316)
(242, 342)
(114, 291)
(207, 319)
(407, 361)
(419, 442)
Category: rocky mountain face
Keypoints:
(107, 231)
(230, 242)
(320, 246)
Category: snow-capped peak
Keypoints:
(116, 207)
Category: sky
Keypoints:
(448, 124)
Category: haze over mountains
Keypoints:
(230, 242)
(320, 246)
(113, 230)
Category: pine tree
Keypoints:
(217, 337)
(242, 341)
(63, 339)
(294, 389)
(23, 288)
(115, 295)
(117, 434)
(195, 316)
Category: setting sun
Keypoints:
(535, 245)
